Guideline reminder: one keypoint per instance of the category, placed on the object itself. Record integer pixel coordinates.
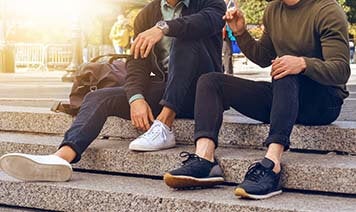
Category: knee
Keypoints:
(210, 80)
(286, 83)
(92, 97)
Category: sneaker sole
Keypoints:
(25, 169)
(188, 182)
(145, 149)
(243, 194)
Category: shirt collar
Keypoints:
(185, 2)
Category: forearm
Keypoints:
(256, 51)
(138, 77)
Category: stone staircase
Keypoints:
(319, 172)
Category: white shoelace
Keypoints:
(157, 129)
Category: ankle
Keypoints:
(206, 156)
(66, 153)
(277, 163)
(167, 116)
(206, 149)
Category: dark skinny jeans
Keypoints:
(291, 100)
(188, 61)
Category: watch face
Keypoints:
(163, 26)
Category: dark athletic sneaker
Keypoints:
(260, 181)
(194, 172)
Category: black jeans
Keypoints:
(188, 61)
(282, 103)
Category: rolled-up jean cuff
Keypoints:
(74, 147)
(278, 139)
(169, 105)
(209, 135)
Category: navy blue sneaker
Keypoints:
(260, 181)
(194, 172)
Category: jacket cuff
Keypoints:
(172, 26)
(307, 71)
(135, 97)
(244, 37)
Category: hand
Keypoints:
(236, 21)
(287, 65)
(144, 42)
(141, 114)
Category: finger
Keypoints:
(143, 48)
(229, 14)
(141, 123)
(136, 124)
(276, 66)
(137, 48)
(278, 71)
(133, 46)
(276, 63)
(281, 75)
(132, 120)
(146, 123)
(148, 49)
(150, 116)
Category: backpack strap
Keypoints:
(61, 107)
(112, 57)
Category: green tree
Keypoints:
(351, 13)
(253, 10)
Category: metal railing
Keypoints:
(43, 57)
(58, 55)
(30, 56)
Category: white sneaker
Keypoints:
(158, 137)
(36, 167)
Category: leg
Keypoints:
(96, 107)
(184, 72)
(296, 99)
(179, 96)
(309, 104)
(263, 178)
(215, 93)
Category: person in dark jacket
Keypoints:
(306, 44)
(176, 41)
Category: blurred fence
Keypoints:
(30, 56)
(45, 57)
(58, 55)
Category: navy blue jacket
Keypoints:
(201, 20)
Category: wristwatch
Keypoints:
(163, 26)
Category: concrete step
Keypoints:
(30, 102)
(96, 192)
(5, 208)
(327, 173)
(348, 112)
(236, 130)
